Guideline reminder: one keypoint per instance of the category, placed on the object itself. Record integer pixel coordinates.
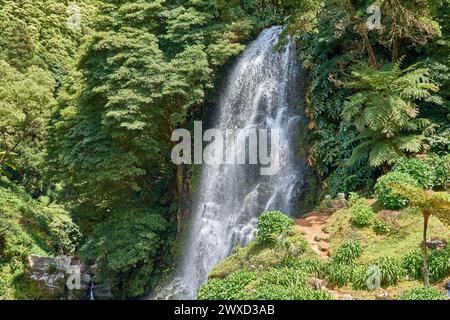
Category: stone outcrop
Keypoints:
(60, 277)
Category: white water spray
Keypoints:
(261, 92)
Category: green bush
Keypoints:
(423, 293)
(339, 275)
(271, 224)
(313, 266)
(354, 198)
(343, 262)
(390, 199)
(3, 287)
(391, 270)
(290, 246)
(438, 264)
(132, 236)
(380, 227)
(387, 269)
(229, 288)
(283, 276)
(417, 169)
(278, 292)
(441, 170)
(285, 283)
(413, 264)
(362, 215)
(347, 253)
(359, 278)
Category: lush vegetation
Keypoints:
(362, 263)
(30, 226)
(89, 96)
(268, 269)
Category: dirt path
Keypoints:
(312, 226)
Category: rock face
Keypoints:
(102, 292)
(60, 277)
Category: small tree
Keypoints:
(430, 203)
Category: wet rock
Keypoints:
(347, 297)
(102, 292)
(60, 277)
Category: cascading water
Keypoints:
(261, 92)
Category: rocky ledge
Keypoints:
(61, 277)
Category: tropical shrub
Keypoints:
(343, 262)
(313, 266)
(354, 198)
(290, 246)
(391, 270)
(229, 288)
(124, 248)
(285, 283)
(362, 215)
(423, 293)
(347, 253)
(278, 292)
(283, 276)
(438, 264)
(339, 275)
(384, 271)
(389, 198)
(271, 224)
(359, 278)
(380, 227)
(441, 170)
(384, 110)
(417, 169)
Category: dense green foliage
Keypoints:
(423, 293)
(343, 263)
(90, 92)
(381, 227)
(230, 288)
(128, 242)
(362, 215)
(28, 226)
(438, 264)
(388, 197)
(272, 224)
(417, 169)
(375, 96)
(281, 279)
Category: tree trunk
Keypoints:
(364, 34)
(426, 275)
(372, 59)
(395, 48)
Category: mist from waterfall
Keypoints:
(261, 92)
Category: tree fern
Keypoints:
(383, 108)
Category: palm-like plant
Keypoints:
(384, 110)
(430, 203)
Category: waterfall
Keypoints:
(261, 92)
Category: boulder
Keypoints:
(60, 277)
(437, 244)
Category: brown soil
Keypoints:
(312, 226)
